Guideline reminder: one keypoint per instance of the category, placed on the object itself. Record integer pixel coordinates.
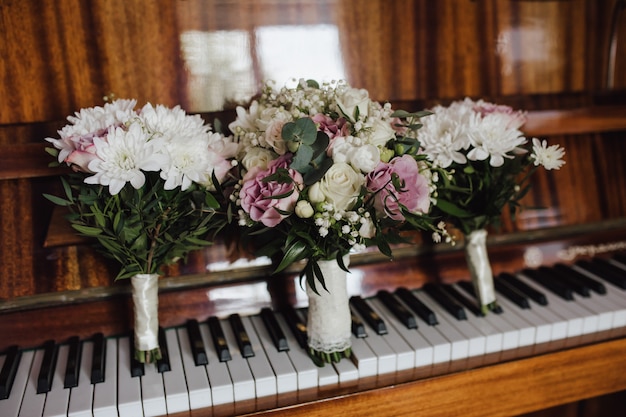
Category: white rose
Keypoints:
(381, 133)
(304, 210)
(271, 122)
(340, 186)
(256, 156)
(365, 158)
(351, 99)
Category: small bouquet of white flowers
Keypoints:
(487, 163)
(147, 187)
(328, 171)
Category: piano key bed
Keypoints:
(238, 365)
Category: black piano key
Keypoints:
(417, 306)
(219, 340)
(98, 359)
(620, 257)
(137, 369)
(472, 306)
(536, 296)
(604, 270)
(243, 340)
(511, 293)
(72, 368)
(274, 329)
(593, 284)
(46, 372)
(444, 300)
(398, 309)
(358, 328)
(369, 315)
(468, 287)
(195, 341)
(9, 370)
(163, 364)
(576, 285)
(543, 278)
(296, 325)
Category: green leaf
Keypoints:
(302, 158)
(57, 200)
(87, 230)
(453, 210)
(302, 130)
(295, 252)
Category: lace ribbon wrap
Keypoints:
(146, 308)
(329, 320)
(480, 269)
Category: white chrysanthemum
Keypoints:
(123, 156)
(551, 157)
(173, 124)
(491, 138)
(188, 163)
(443, 137)
(89, 123)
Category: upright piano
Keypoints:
(562, 61)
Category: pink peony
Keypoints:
(414, 194)
(256, 195)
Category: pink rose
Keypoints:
(256, 194)
(81, 151)
(414, 194)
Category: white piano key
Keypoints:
(387, 357)
(176, 395)
(32, 403)
(264, 378)
(286, 376)
(364, 359)
(405, 355)
(58, 397)
(422, 350)
(81, 396)
(346, 370)
(243, 383)
(459, 343)
(513, 313)
(198, 386)
(327, 376)
(129, 388)
(152, 392)
(105, 393)
(10, 407)
(580, 320)
(302, 363)
(222, 389)
(613, 295)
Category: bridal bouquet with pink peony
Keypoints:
(147, 187)
(487, 164)
(328, 171)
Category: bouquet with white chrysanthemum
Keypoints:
(487, 163)
(327, 171)
(146, 186)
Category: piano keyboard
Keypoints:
(225, 362)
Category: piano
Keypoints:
(562, 61)
(560, 325)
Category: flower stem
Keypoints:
(322, 358)
(148, 356)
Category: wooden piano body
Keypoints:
(563, 61)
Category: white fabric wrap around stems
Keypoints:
(146, 309)
(329, 320)
(480, 269)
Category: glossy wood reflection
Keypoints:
(211, 54)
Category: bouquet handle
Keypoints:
(146, 316)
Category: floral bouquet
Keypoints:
(326, 170)
(487, 163)
(145, 186)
